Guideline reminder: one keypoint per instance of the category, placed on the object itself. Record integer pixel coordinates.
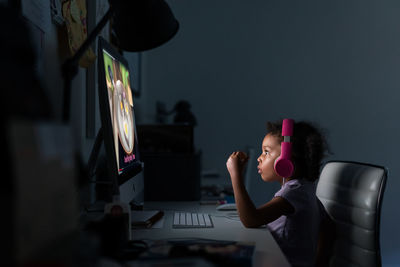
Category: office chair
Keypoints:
(352, 193)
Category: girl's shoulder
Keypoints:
(294, 183)
(299, 193)
(298, 186)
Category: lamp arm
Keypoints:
(70, 66)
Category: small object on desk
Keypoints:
(191, 220)
(117, 213)
(213, 252)
(209, 202)
(226, 206)
(146, 218)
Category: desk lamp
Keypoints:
(137, 25)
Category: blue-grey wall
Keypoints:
(242, 63)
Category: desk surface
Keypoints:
(267, 251)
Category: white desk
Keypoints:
(267, 251)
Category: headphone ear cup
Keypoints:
(283, 167)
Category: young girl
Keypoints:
(294, 214)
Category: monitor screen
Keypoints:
(117, 113)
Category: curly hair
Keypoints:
(309, 147)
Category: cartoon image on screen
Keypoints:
(123, 117)
(121, 110)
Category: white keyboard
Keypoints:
(191, 220)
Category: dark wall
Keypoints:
(242, 63)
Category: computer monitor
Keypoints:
(118, 122)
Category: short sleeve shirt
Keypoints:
(297, 233)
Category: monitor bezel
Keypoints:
(106, 123)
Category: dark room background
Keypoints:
(242, 63)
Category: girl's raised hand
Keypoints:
(236, 164)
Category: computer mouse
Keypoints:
(227, 206)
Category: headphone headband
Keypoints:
(283, 165)
(287, 127)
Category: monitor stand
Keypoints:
(130, 191)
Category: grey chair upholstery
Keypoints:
(352, 193)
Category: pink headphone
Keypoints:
(283, 165)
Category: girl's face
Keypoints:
(271, 149)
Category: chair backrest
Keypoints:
(352, 193)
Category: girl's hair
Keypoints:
(309, 147)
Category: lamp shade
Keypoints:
(140, 25)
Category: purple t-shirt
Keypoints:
(297, 233)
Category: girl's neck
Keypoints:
(285, 180)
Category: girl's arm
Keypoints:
(255, 217)
(248, 213)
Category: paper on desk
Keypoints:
(159, 224)
(140, 216)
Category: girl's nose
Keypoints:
(259, 159)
